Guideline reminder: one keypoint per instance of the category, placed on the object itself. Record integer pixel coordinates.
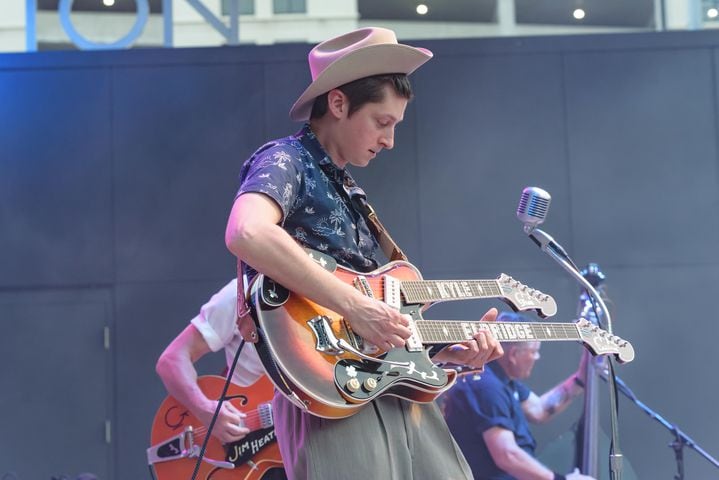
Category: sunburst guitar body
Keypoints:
(317, 361)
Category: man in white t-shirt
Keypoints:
(214, 328)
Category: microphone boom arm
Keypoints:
(547, 244)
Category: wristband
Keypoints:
(559, 476)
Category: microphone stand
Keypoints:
(680, 438)
(547, 244)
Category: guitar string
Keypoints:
(435, 330)
(414, 287)
(252, 418)
(201, 431)
(440, 330)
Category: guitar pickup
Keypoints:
(362, 284)
(392, 292)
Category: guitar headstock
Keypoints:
(521, 298)
(601, 342)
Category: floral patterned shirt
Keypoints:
(314, 196)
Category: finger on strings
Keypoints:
(482, 342)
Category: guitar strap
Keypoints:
(245, 323)
(386, 242)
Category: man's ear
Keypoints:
(337, 103)
(510, 353)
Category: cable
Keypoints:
(217, 410)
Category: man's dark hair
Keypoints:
(366, 90)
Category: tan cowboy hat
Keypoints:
(354, 55)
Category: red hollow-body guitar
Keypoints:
(177, 436)
(317, 361)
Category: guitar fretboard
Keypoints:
(453, 331)
(425, 291)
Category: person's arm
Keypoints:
(510, 458)
(177, 371)
(540, 409)
(253, 235)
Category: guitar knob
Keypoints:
(352, 385)
(369, 384)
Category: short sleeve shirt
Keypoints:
(315, 198)
(479, 402)
(217, 323)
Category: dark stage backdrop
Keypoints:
(118, 169)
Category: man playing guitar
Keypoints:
(213, 329)
(297, 192)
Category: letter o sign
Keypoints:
(65, 10)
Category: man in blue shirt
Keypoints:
(488, 413)
(297, 192)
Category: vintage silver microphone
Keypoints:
(533, 207)
(531, 211)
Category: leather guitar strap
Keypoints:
(245, 323)
(386, 243)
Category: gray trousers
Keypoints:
(388, 439)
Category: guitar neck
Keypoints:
(454, 331)
(426, 291)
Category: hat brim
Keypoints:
(363, 62)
